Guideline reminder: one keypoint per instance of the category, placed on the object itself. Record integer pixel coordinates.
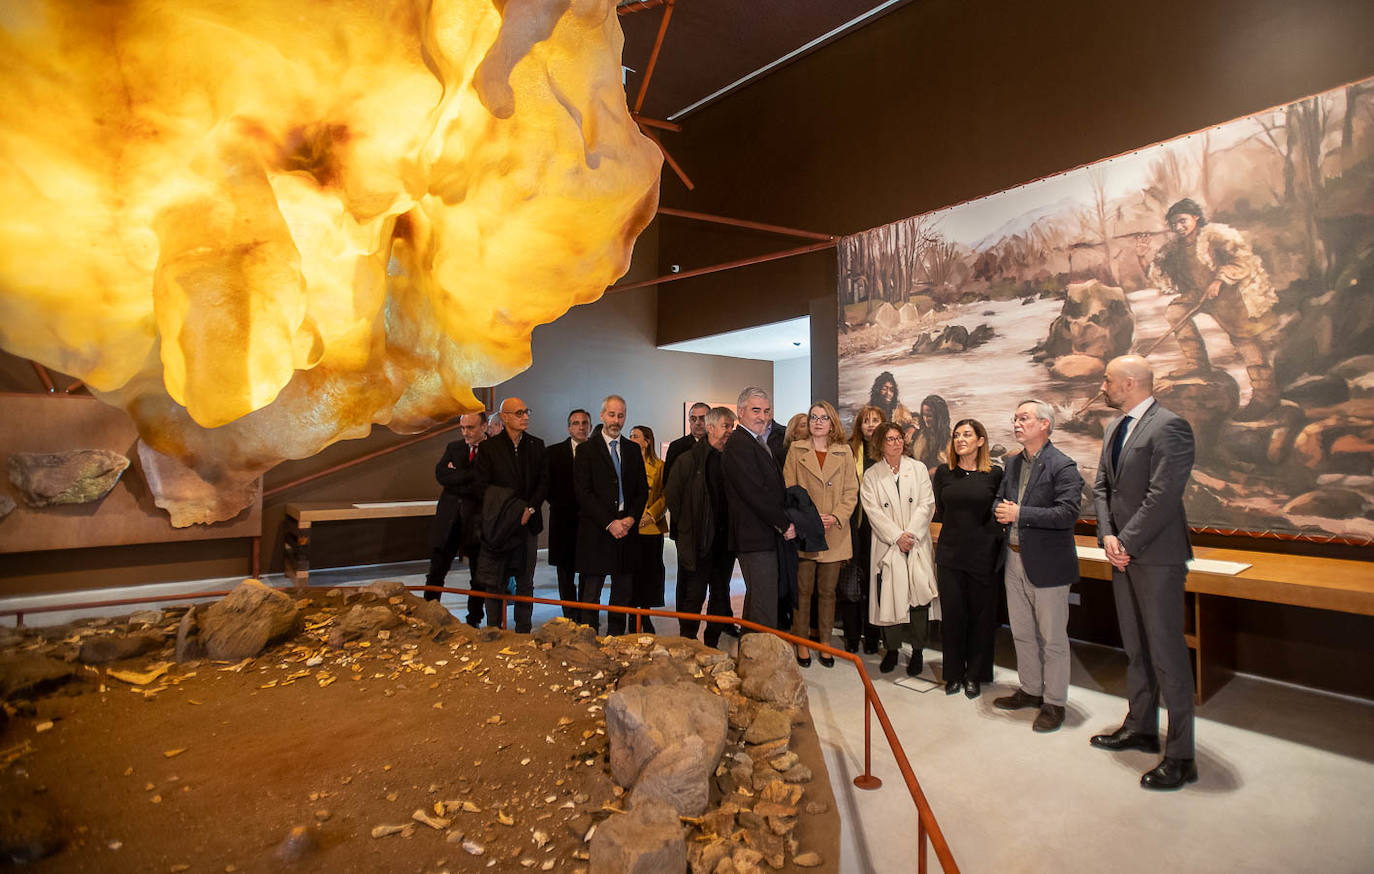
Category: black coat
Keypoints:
(776, 435)
(460, 503)
(802, 512)
(682, 445)
(524, 472)
(595, 482)
(754, 490)
(1049, 511)
(562, 505)
(689, 501)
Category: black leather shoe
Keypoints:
(889, 662)
(952, 687)
(730, 631)
(972, 689)
(915, 666)
(1017, 701)
(1125, 739)
(851, 646)
(870, 647)
(1050, 717)
(827, 661)
(1170, 774)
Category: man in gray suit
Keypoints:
(1147, 457)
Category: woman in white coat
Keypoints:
(900, 503)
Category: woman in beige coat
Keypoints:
(824, 466)
(899, 502)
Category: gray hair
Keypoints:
(720, 415)
(610, 398)
(1042, 411)
(752, 391)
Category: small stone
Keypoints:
(784, 762)
(809, 859)
(383, 831)
(299, 843)
(474, 848)
(816, 808)
(798, 774)
(434, 822)
(769, 724)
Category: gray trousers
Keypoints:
(760, 572)
(1149, 609)
(1040, 627)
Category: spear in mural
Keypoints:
(1173, 329)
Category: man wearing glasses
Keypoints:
(755, 494)
(514, 460)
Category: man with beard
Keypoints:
(612, 490)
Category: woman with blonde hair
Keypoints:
(824, 466)
(796, 430)
(966, 557)
(649, 572)
(899, 503)
(853, 593)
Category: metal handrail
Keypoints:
(927, 828)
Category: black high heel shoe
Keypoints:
(952, 687)
(804, 662)
(827, 660)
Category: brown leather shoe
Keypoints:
(1170, 774)
(1050, 717)
(1017, 700)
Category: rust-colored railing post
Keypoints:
(920, 844)
(866, 780)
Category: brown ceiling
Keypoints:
(711, 43)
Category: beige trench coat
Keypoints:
(896, 504)
(834, 489)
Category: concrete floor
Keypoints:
(1286, 772)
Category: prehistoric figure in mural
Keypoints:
(1212, 269)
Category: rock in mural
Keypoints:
(76, 476)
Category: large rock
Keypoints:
(769, 671)
(909, 313)
(1206, 400)
(661, 671)
(28, 675)
(1329, 503)
(1078, 367)
(247, 621)
(1354, 368)
(76, 476)
(1266, 441)
(7, 505)
(189, 645)
(643, 721)
(361, 621)
(1096, 321)
(433, 614)
(188, 498)
(106, 648)
(560, 630)
(647, 840)
(1323, 390)
(1342, 442)
(679, 776)
(886, 316)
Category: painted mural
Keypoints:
(1239, 260)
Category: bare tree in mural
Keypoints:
(1095, 221)
(886, 264)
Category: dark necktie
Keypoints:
(615, 460)
(1119, 440)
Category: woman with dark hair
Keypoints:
(966, 557)
(883, 395)
(932, 445)
(649, 572)
(898, 501)
(853, 590)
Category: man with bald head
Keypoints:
(513, 460)
(1147, 457)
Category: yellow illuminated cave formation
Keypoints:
(261, 226)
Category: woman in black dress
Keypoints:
(966, 556)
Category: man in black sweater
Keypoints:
(513, 459)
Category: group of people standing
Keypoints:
(846, 518)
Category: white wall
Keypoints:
(791, 387)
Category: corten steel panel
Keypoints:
(127, 515)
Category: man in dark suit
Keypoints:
(1038, 501)
(701, 517)
(513, 459)
(563, 507)
(696, 432)
(612, 490)
(1147, 458)
(755, 494)
(457, 519)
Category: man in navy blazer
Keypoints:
(1147, 458)
(612, 490)
(1038, 501)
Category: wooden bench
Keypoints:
(1342, 585)
(300, 517)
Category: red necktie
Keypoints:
(472, 453)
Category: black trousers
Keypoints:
(567, 590)
(441, 559)
(709, 583)
(589, 588)
(476, 611)
(494, 568)
(968, 614)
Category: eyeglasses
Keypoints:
(1023, 417)
(821, 418)
(521, 413)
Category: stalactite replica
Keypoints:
(263, 226)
